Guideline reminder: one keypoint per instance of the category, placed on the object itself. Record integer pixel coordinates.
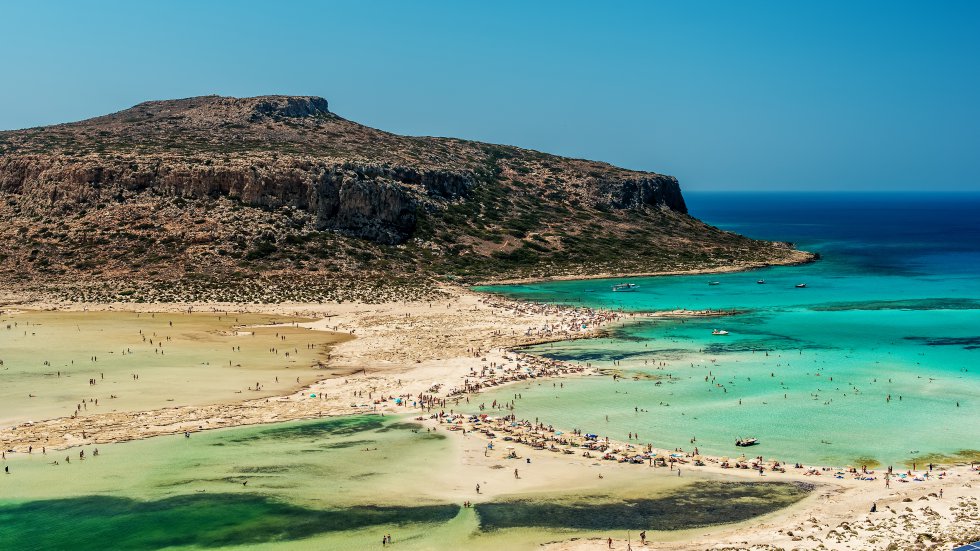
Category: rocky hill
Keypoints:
(277, 198)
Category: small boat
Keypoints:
(746, 442)
(761, 282)
(623, 287)
(714, 283)
(719, 332)
(800, 285)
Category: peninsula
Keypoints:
(276, 198)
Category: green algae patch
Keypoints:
(904, 304)
(206, 520)
(961, 457)
(695, 505)
(335, 426)
(266, 469)
(346, 444)
(635, 375)
(868, 462)
(400, 426)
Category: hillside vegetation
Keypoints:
(276, 198)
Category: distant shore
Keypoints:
(796, 258)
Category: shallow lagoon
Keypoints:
(49, 359)
(892, 310)
(327, 484)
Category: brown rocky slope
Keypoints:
(276, 198)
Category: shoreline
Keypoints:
(440, 347)
(66, 432)
(355, 364)
(797, 258)
(834, 497)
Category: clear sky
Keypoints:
(788, 95)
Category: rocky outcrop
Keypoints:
(380, 203)
(635, 193)
(212, 188)
(288, 106)
(374, 202)
(291, 151)
(367, 201)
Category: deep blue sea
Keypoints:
(900, 233)
(876, 360)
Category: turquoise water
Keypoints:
(338, 483)
(875, 360)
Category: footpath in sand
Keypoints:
(460, 344)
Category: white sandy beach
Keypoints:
(464, 342)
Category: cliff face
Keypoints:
(367, 201)
(637, 193)
(281, 183)
(193, 149)
(372, 202)
(380, 203)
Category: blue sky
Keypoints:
(723, 95)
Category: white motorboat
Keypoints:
(622, 287)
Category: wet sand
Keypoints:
(81, 363)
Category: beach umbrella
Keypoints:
(741, 458)
(697, 458)
(724, 460)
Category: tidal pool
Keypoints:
(338, 483)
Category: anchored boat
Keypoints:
(622, 287)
